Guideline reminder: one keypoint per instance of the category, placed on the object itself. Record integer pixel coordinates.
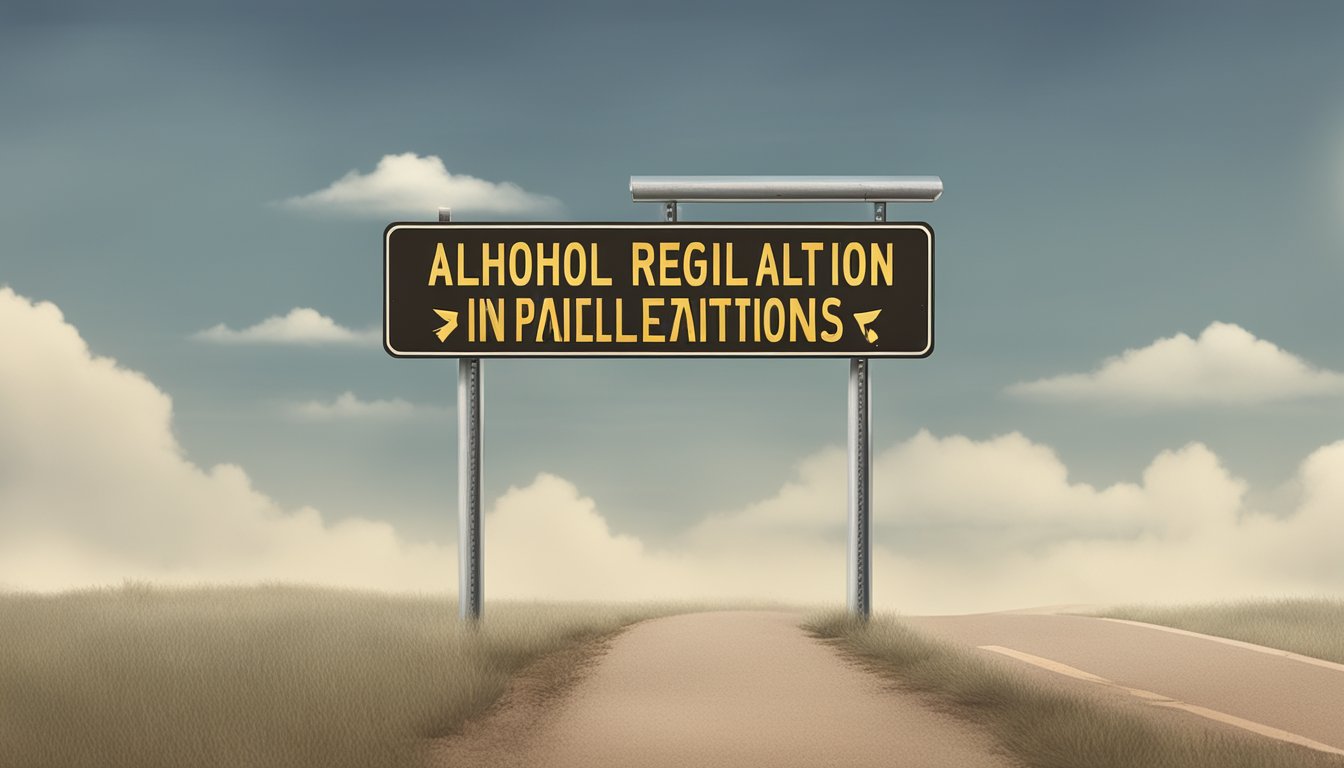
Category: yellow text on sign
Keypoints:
(655, 320)
(666, 264)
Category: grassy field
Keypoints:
(266, 676)
(1311, 627)
(1045, 727)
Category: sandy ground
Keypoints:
(718, 689)
(1282, 693)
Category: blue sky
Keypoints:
(1115, 175)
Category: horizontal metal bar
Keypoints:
(798, 189)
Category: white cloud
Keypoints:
(411, 185)
(348, 407)
(959, 525)
(94, 489)
(1226, 365)
(546, 540)
(301, 326)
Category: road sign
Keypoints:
(599, 290)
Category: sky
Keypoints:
(1136, 379)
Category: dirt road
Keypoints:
(751, 688)
(721, 689)
(1261, 691)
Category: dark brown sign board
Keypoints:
(658, 290)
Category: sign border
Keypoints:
(387, 237)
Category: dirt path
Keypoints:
(1277, 696)
(720, 689)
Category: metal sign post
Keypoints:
(859, 553)
(857, 290)
(468, 480)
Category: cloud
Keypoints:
(546, 540)
(411, 185)
(301, 326)
(95, 488)
(348, 407)
(959, 525)
(1226, 365)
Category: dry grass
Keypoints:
(1311, 627)
(262, 676)
(1044, 726)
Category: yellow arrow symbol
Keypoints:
(864, 318)
(449, 326)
